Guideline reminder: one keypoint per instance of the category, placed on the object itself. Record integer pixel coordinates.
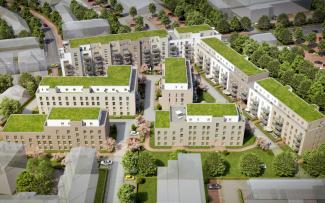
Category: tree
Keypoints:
(46, 9)
(223, 26)
(146, 164)
(179, 11)
(133, 11)
(139, 23)
(26, 182)
(29, 82)
(250, 165)
(9, 106)
(300, 19)
(215, 164)
(194, 18)
(118, 8)
(235, 24)
(257, 54)
(318, 16)
(298, 34)
(126, 193)
(6, 31)
(264, 61)
(165, 20)
(175, 24)
(246, 23)
(124, 29)
(238, 43)
(5, 82)
(152, 8)
(311, 38)
(264, 23)
(283, 35)
(250, 46)
(113, 3)
(284, 165)
(314, 161)
(321, 46)
(129, 162)
(303, 88)
(161, 14)
(283, 19)
(273, 68)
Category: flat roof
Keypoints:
(175, 70)
(116, 76)
(162, 119)
(74, 113)
(297, 104)
(25, 123)
(232, 56)
(214, 110)
(104, 39)
(193, 28)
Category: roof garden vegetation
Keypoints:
(116, 76)
(25, 123)
(74, 113)
(162, 119)
(298, 105)
(214, 110)
(104, 39)
(175, 70)
(193, 28)
(232, 56)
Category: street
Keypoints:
(50, 48)
(149, 102)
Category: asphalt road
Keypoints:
(50, 48)
(149, 102)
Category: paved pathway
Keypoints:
(32, 105)
(149, 102)
(211, 90)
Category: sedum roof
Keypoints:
(104, 39)
(232, 56)
(162, 119)
(116, 76)
(175, 70)
(25, 123)
(74, 113)
(214, 110)
(193, 28)
(298, 105)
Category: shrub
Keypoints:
(215, 164)
(250, 165)
(284, 165)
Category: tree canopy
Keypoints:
(250, 165)
(314, 161)
(215, 164)
(126, 193)
(284, 165)
(9, 106)
(5, 82)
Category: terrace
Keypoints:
(116, 76)
(74, 43)
(162, 119)
(25, 123)
(215, 110)
(193, 29)
(175, 70)
(233, 57)
(75, 114)
(298, 105)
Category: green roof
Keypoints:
(104, 39)
(25, 123)
(162, 119)
(74, 113)
(232, 56)
(214, 110)
(298, 105)
(116, 76)
(175, 70)
(193, 28)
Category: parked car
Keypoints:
(318, 62)
(214, 186)
(129, 177)
(106, 162)
(134, 133)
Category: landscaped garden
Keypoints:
(101, 185)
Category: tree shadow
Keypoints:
(159, 162)
(142, 197)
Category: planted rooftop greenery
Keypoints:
(175, 70)
(162, 119)
(25, 123)
(232, 56)
(116, 76)
(298, 105)
(74, 113)
(104, 39)
(193, 28)
(214, 110)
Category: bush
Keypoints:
(250, 165)
(284, 165)
(159, 107)
(215, 164)
(146, 164)
(126, 193)
(314, 161)
(133, 127)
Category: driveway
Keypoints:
(229, 190)
(116, 174)
(149, 102)
(51, 50)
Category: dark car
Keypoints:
(214, 186)
(318, 62)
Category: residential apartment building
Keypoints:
(200, 125)
(62, 129)
(115, 92)
(182, 40)
(176, 85)
(226, 67)
(91, 55)
(299, 124)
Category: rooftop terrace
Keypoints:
(75, 114)
(25, 123)
(162, 119)
(175, 70)
(116, 76)
(232, 56)
(104, 39)
(193, 28)
(298, 105)
(214, 110)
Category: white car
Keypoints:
(106, 162)
(134, 133)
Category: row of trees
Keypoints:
(53, 15)
(81, 12)
(286, 65)
(199, 12)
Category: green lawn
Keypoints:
(25, 123)
(208, 98)
(216, 110)
(162, 119)
(147, 192)
(175, 70)
(193, 28)
(74, 113)
(101, 185)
